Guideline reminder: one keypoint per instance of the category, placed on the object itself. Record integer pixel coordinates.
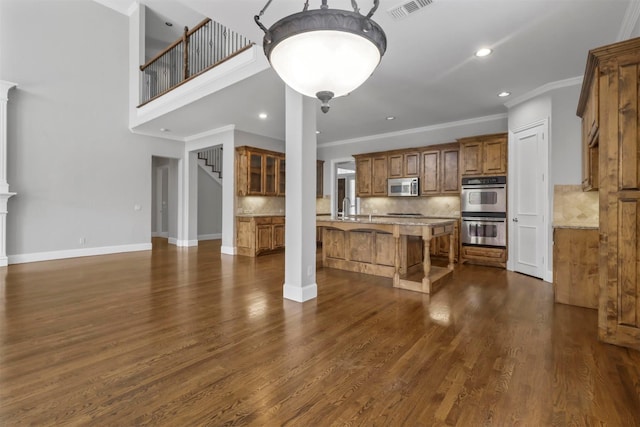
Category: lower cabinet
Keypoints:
(259, 235)
(575, 266)
(496, 257)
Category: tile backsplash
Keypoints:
(573, 207)
(260, 205)
(448, 206)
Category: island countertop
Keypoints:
(386, 220)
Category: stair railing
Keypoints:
(200, 49)
(213, 158)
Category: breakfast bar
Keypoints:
(397, 248)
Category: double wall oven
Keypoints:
(484, 211)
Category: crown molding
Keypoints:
(430, 128)
(630, 20)
(573, 81)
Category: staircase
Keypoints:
(213, 159)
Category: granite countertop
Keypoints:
(577, 226)
(401, 220)
(258, 215)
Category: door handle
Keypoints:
(515, 219)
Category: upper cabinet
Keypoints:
(371, 174)
(610, 108)
(319, 178)
(483, 155)
(436, 166)
(404, 164)
(440, 170)
(259, 172)
(589, 107)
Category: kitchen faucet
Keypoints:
(346, 205)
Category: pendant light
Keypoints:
(324, 53)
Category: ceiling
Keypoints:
(429, 74)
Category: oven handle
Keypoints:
(482, 187)
(477, 219)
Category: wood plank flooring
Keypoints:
(179, 336)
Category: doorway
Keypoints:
(528, 199)
(164, 190)
(345, 173)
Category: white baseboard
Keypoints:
(164, 234)
(75, 253)
(185, 243)
(173, 241)
(300, 294)
(228, 250)
(548, 276)
(214, 236)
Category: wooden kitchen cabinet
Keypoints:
(494, 257)
(259, 235)
(575, 267)
(404, 164)
(319, 179)
(590, 136)
(609, 103)
(483, 155)
(440, 170)
(371, 175)
(258, 172)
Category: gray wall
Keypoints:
(253, 140)
(209, 204)
(77, 169)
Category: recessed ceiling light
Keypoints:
(263, 115)
(504, 94)
(317, 132)
(485, 51)
(165, 130)
(391, 117)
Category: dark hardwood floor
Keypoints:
(191, 337)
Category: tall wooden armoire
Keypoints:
(610, 111)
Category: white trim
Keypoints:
(210, 132)
(163, 234)
(548, 276)
(173, 241)
(300, 294)
(186, 243)
(228, 250)
(75, 253)
(573, 81)
(124, 7)
(214, 236)
(629, 21)
(415, 130)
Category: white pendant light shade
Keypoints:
(324, 53)
(334, 61)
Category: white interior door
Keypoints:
(527, 200)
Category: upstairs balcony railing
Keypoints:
(200, 49)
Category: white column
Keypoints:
(4, 185)
(300, 222)
(228, 195)
(188, 217)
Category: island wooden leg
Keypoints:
(426, 262)
(451, 252)
(396, 275)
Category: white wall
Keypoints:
(77, 169)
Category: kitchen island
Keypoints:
(391, 247)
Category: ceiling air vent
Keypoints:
(405, 9)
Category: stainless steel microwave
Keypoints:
(402, 186)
